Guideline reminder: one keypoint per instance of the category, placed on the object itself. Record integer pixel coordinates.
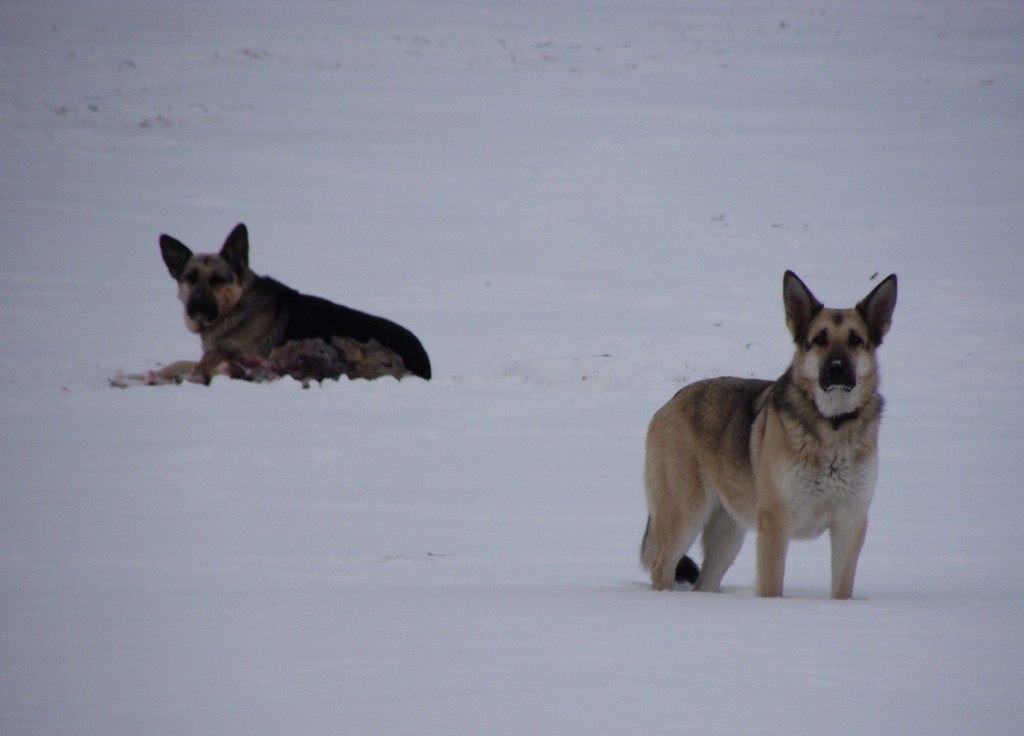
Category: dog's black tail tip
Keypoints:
(417, 361)
(687, 571)
(423, 371)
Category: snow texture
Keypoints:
(578, 207)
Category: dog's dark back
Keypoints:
(309, 317)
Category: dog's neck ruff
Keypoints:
(840, 419)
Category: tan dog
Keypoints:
(791, 458)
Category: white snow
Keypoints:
(578, 207)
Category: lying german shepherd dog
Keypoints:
(791, 457)
(241, 315)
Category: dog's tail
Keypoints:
(405, 343)
(687, 571)
(415, 357)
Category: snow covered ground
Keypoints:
(578, 207)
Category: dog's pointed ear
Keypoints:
(236, 249)
(877, 308)
(175, 254)
(801, 306)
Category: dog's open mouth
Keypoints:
(201, 321)
(202, 309)
(837, 375)
(845, 387)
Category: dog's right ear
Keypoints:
(801, 306)
(236, 249)
(176, 255)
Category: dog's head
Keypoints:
(209, 284)
(835, 348)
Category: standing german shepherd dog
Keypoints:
(791, 458)
(238, 314)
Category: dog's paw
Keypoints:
(119, 380)
(124, 380)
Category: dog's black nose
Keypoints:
(837, 373)
(202, 305)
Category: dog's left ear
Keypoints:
(877, 307)
(801, 306)
(236, 249)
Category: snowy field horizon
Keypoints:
(579, 208)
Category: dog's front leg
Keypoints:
(772, 545)
(173, 373)
(206, 368)
(846, 537)
(772, 532)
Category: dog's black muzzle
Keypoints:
(837, 373)
(202, 306)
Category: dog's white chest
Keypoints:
(816, 495)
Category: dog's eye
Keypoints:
(191, 278)
(821, 338)
(855, 340)
(216, 280)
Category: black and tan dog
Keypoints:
(791, 458)
(241, 315)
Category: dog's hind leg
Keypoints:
(678, 505)
(675, 519)
(666, 540)
(722, 539)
